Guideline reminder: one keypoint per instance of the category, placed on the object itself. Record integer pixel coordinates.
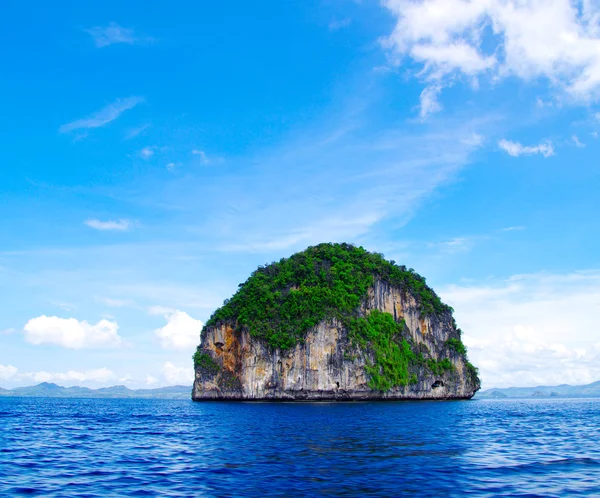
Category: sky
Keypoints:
(154, 154)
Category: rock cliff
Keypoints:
(358, 328)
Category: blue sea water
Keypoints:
(127, 447)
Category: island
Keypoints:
(333, 322)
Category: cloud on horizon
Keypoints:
(531, 329)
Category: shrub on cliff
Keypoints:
(280, 302)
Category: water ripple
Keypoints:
(68, 447)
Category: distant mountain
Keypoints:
(563, 391)
(50, 390)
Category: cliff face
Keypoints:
(328, 364)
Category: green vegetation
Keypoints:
(457, 345)
(473, 373)
(393, 354)
(206, 363)
(439, 367)
(280, 302)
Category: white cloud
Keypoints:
(542, 103)
(6, 331)
(117, 225)
(577, 142)
(516, 149)
(8, 371)
(474, 140)
(555, 39)
(147, 152)
(531, 329)
(513, 229)
(182, 332)
(100, 375)
(72, 333)
(429, 101)
(104, 116)
(595, 134)
(177, 375)
(203, 157)
(171, 167)
(151, 380)
(113, 33)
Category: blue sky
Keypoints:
(153, 156)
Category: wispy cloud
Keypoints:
(430, 101)
(116, 303)
(104, 116)
(577, 142)
(147, 152)
(134, 132)
(513, 229)
(99, 375)
(202, 155)
(337, 24)
(516, 149)
(117, 225)
(113, 33)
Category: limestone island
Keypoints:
(334, 322)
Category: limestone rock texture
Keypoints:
(327, 366)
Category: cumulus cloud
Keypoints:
(516, 149)
(104, 116)
(7, 372)
(100, 375)
(182, 332)
(177, 375)
(556, 39)
(113, 33)
(72, 333)
(531, 329)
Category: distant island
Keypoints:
(50, 390)
(563, 391)
(333, 322)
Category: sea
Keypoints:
(140, 447)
